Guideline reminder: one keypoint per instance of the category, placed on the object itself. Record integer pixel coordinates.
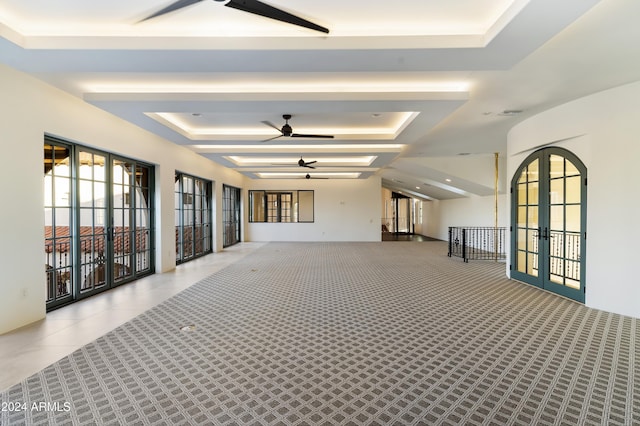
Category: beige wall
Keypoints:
(345, 210)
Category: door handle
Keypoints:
(545, 234)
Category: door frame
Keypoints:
(107, 260)
(544, 232)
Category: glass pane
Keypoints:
(556, 219)
(99, 193)
(48, 218)
(62, 218)
(572, 272)
(522, 261)
(117, 172)
(522, 239)
(522, 194)
(573, 190)
(556, 268)
(533, 217)
(187, 185)
(533, 171)
(570, 168)
(86, 193)
(99, 171)
(99, 216)
(572, 283)
(61, 191)
(523, 176)
(533, 193)
(556, 166)
(556, 243)
(558, 279)
(532, 240)
(86, 217)
(85, 159)
(532, 264)
(522, 217)
(556, 191)
(572, 246)
(573, 218)
(118, 196)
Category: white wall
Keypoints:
(345, 210)
(602, 130)
(29, 109)
(439, 215)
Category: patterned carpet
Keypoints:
(392, 333)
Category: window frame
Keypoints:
(271, 206)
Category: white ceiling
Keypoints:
(405, 87)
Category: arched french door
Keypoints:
(549, 194)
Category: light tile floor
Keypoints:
(26, 351)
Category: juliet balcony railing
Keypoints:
(477, 242)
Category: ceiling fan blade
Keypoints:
(311, 162)
(299, 135)
(172, 7)
(270, 139)
(258, 8)
(309, 167)
(270, 124)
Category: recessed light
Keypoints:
(448, 180)
(417, 187)
(189, 327)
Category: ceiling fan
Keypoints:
(301, 163)
(251, 6)
(286, 130)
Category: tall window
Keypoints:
(98, 221)
(231, 215)
(192, 217)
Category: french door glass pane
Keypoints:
(574, 188)
(124, 200)
(192, 219)
(92, 215)
(58, 260)
(527, 220)
(564, 222)
(141, 235)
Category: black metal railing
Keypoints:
(477, 243)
